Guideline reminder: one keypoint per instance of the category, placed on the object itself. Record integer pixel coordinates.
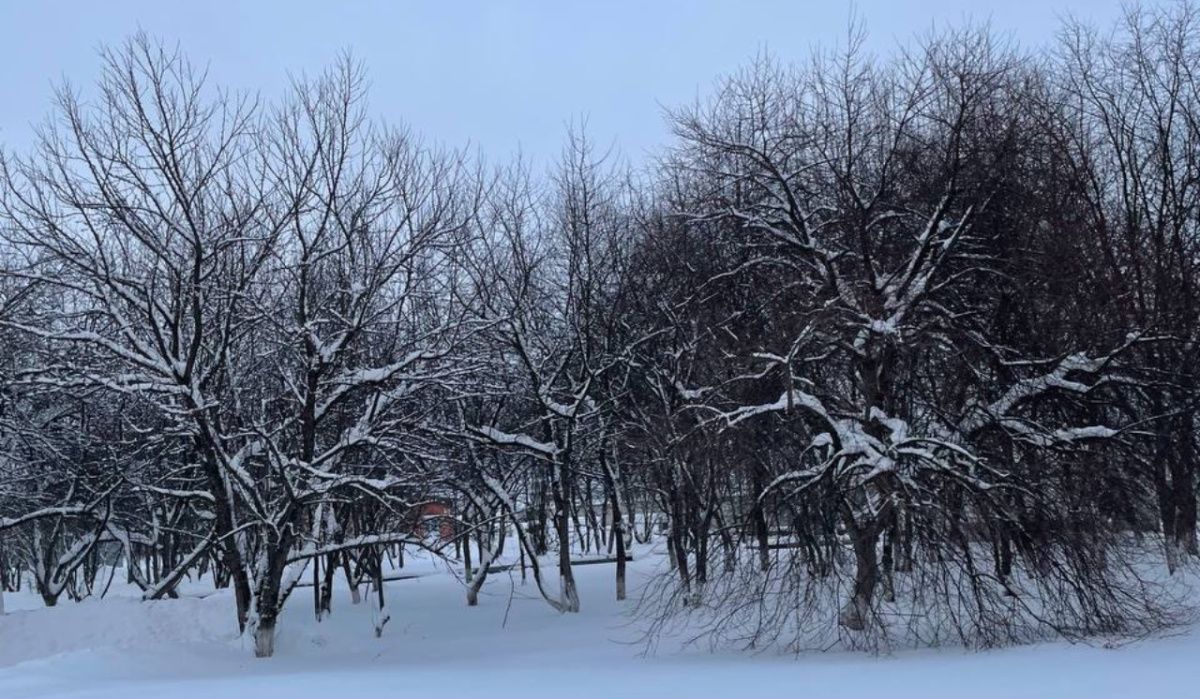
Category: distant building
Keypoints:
(434, 519)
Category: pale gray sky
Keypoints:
(498, 74)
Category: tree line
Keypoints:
(881, 350)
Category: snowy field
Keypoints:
(511, 645)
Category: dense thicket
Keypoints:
(894, 350)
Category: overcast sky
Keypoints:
(501, 74)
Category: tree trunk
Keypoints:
(382, 616)
(620, 526)
(325, 602)
(485, 562)
(267, 605)
(1183, 486)
(317, 587)
(568, 595)
(351, 582)
(225, 533)
(856, 613)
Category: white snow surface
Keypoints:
(511, 645)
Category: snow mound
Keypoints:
(119, 623)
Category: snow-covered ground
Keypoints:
(513, 644)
